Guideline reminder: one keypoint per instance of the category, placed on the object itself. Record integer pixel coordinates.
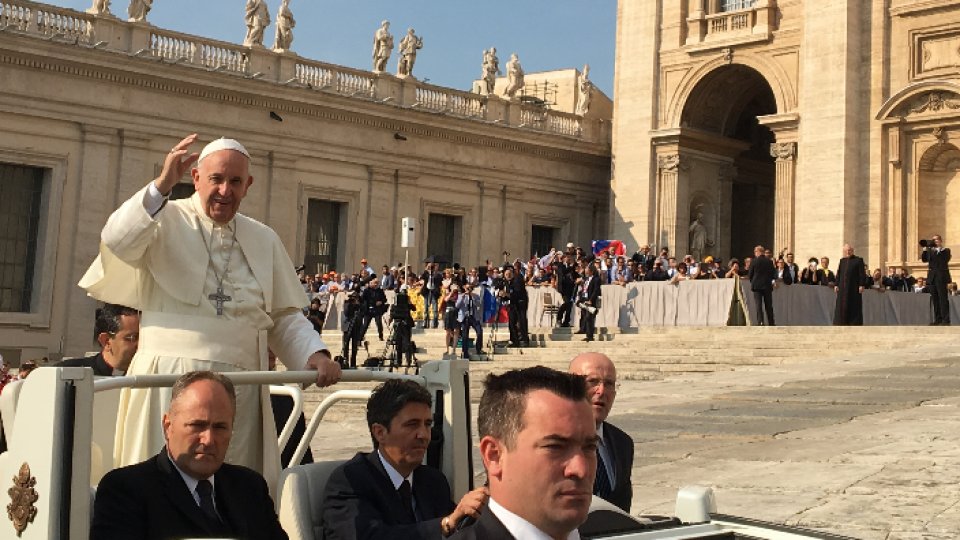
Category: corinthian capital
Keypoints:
(783, 151)
(669, 163)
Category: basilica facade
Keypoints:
(795, 124)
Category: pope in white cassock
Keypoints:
(216, 289)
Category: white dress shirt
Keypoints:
(520, 528)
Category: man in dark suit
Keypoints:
(117, 333)
(615, 454)
(538, 441)
(851, 279)
(937, 258)
(389, 493)
(761, 275)
(567, 287)
(187, 491)
(589, 295)
(374, 302)
(517, 310)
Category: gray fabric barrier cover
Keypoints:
(711, 303)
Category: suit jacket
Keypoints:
(937, 269)
(100, 366)
(360, 502)
(150, 501)
(463, 308)
(592, 294)
(621, 448)
(762, 273)
(437, 283)
(487, 527)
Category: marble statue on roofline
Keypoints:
(257, 18)
(491, 69)
(514, 77)
(100, 7)
(285, 24)
(586, 92)
(382, 47)
(138, 9)
(409, 46)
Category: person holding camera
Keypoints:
(517, 310)
(812, 274)
(353, 328)
(402, 321)
(937, 258)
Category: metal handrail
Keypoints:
(329, 401)
(297, 396)
(251, 377)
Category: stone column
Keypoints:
(896, 219)
(97, 175)
(280, 200)
(669, 172)
(784, 194)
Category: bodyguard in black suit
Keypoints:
(389, 493)
(937, 258)
(117, 333)
(538, 441)
(615, 454)
(517, 310)
(762, 273)
(589, 295)
(187, 491)
(567, 287)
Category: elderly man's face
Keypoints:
(198, 428)
(601, 377)
(547, 476)
(404, 442)
(222, 180)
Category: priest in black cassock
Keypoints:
(850, 282)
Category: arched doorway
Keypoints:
(732, 174)
(939, 190)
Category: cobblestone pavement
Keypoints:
(866, 446)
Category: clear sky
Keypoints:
(546, 34)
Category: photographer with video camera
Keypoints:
(401, 324)
(352, 328)
(937, 258)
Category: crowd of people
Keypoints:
(434, 293)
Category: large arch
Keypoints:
(783, 89)
(939, 191)
(731, 178)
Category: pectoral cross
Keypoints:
(219, 298)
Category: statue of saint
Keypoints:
(409, 46)
(138, 9)
(514, 77)
(382, 47)
(491, 69)
(698, 238)
(586, 92)
(285, 24)
(100, 7)
(257, 18)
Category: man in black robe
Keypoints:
(851, 276)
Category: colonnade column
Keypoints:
(784, 194)
(667, 226)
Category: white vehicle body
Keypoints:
(57, 454)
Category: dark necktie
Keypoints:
(205, 491)
(406, 499)
(601, 484)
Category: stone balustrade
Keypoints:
(737, 22)
(146, 42)
(46, 21)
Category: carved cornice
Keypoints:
(783, 151)
(591, 155)
(935, 101)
